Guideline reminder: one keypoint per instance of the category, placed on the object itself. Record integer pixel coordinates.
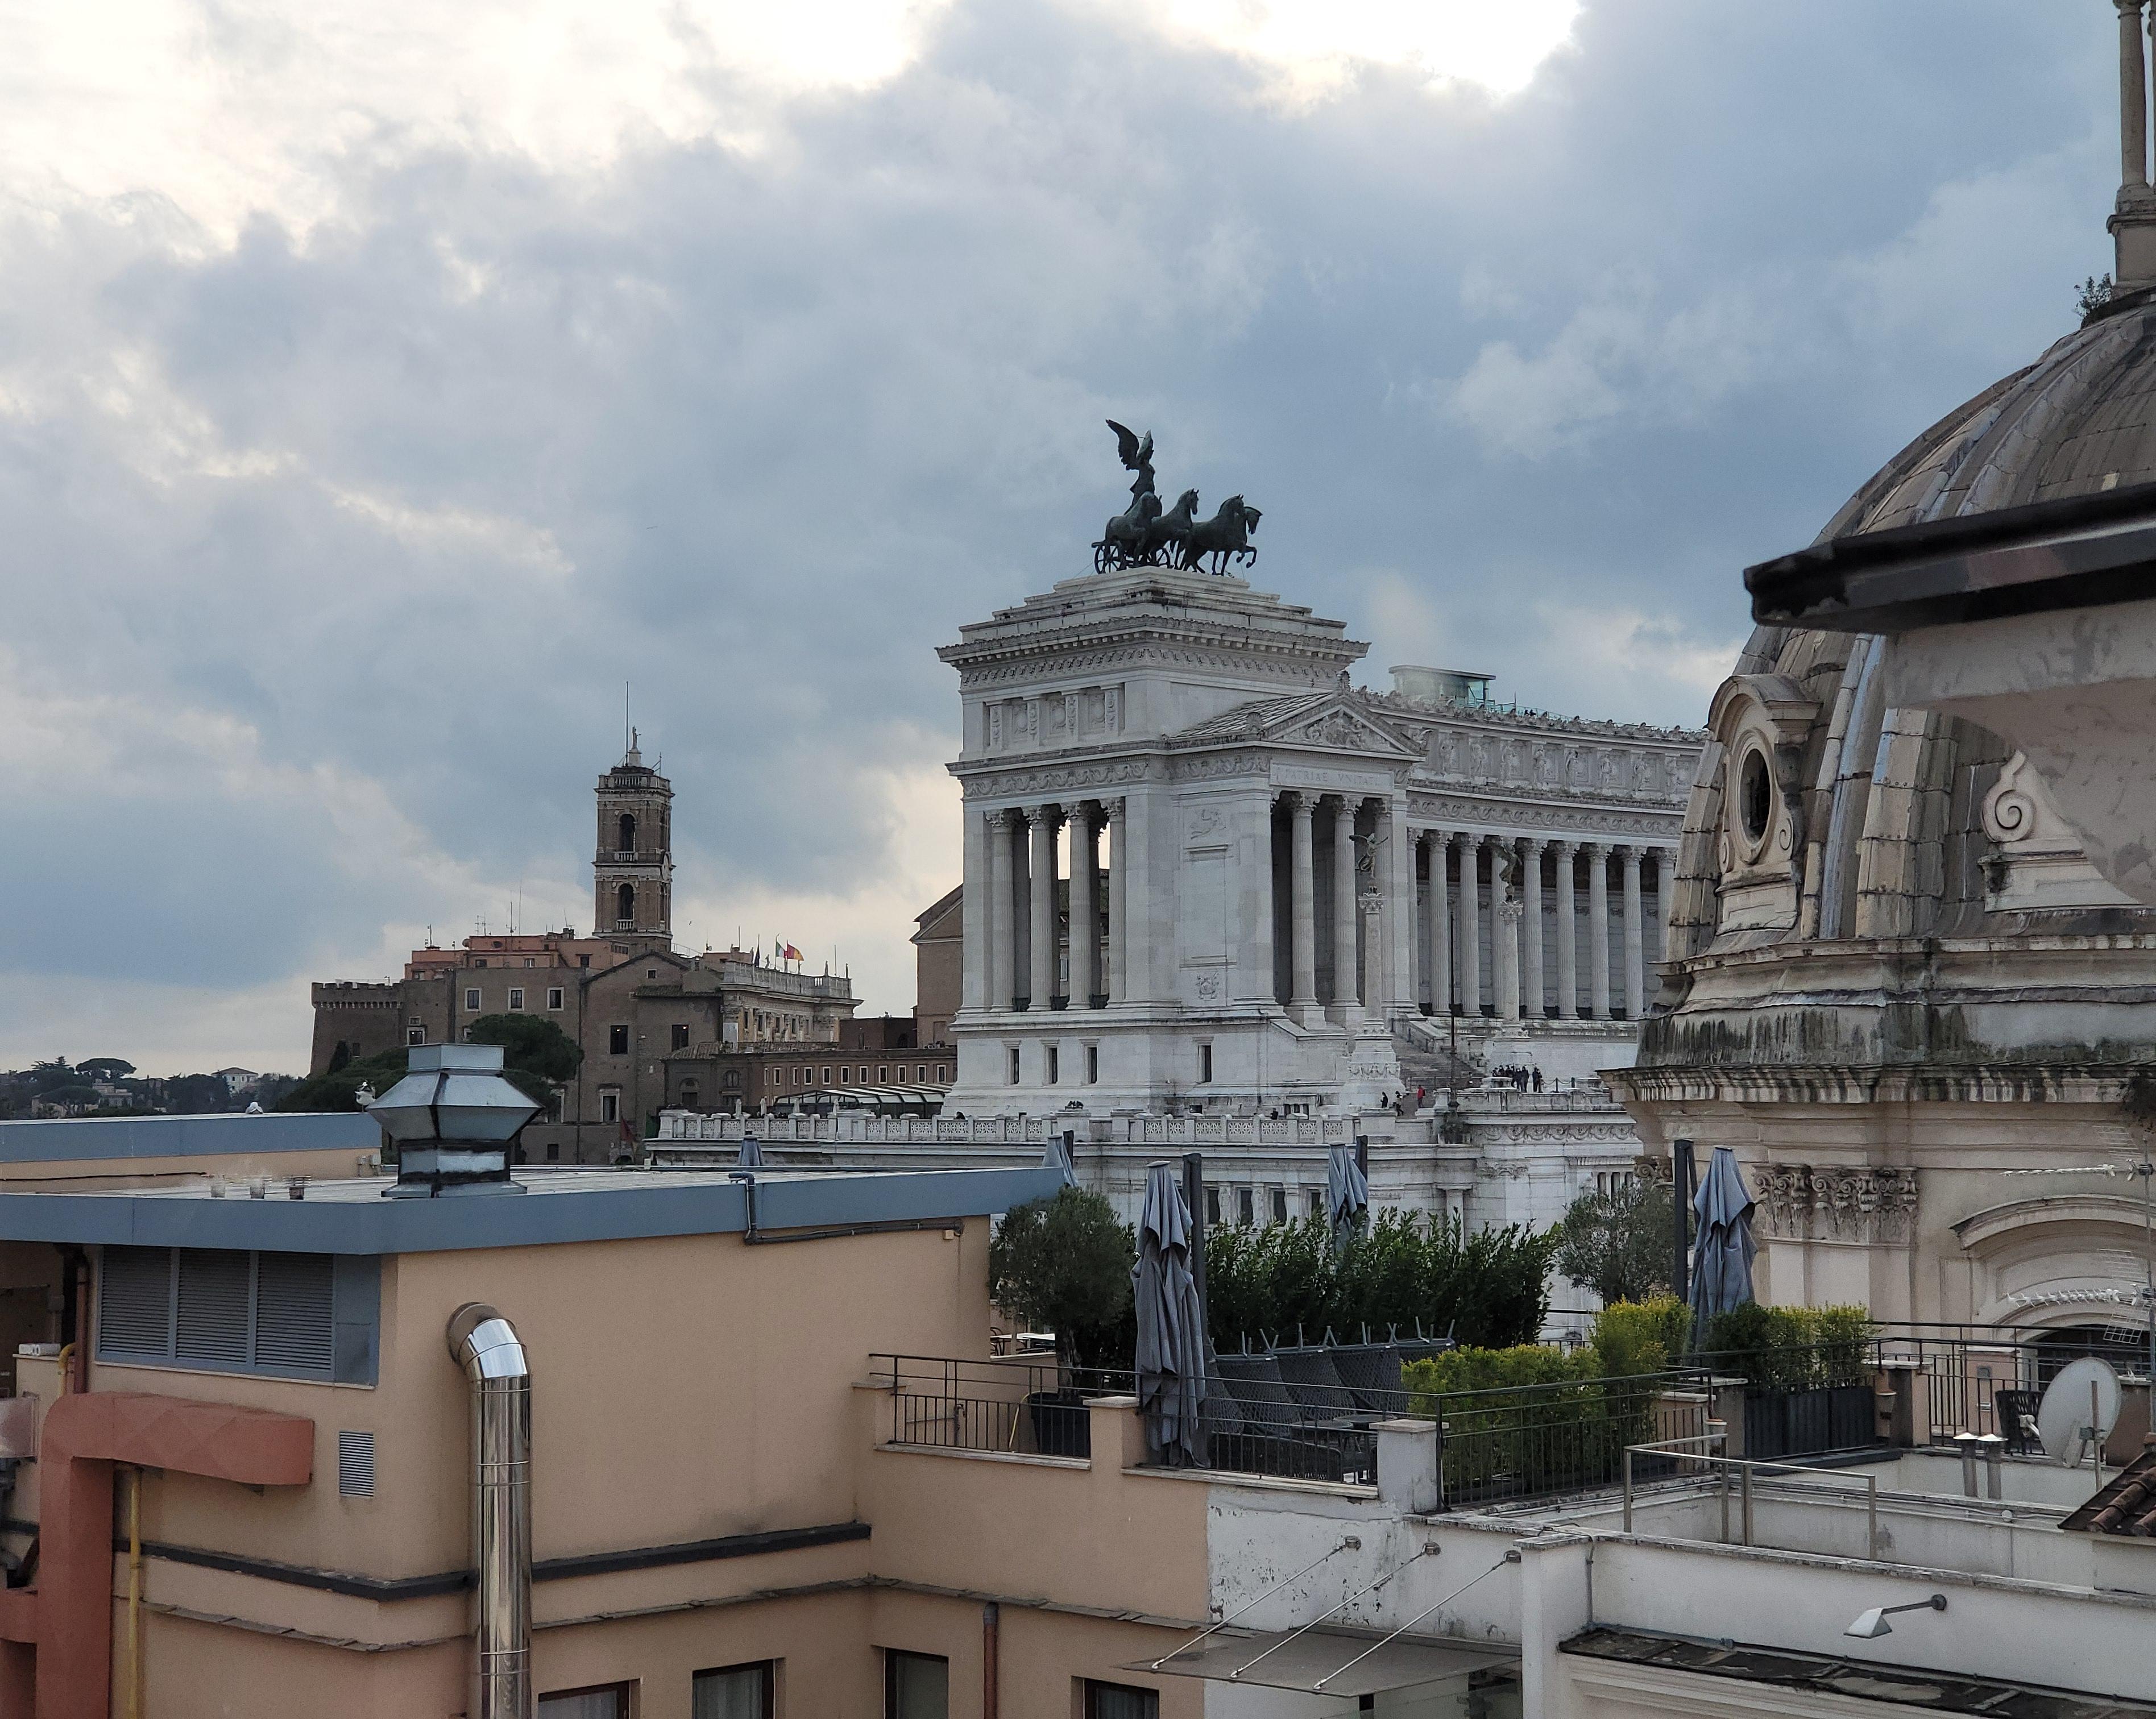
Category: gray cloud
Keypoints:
(381, 515)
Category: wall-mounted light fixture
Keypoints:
(1873, 1623)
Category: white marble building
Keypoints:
(1298, 874)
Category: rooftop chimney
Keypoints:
(2132, 222)
(453, 1119)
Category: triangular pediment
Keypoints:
(1336, 721)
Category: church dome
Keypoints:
(1913, 851)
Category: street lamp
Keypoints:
(453, 1119)
(1873, 1623)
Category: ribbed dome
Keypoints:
(2080, 420)
(1885, 823)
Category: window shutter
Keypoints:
(135, 1303)
(356, 1464)
(293, 1313)
(212, 1326)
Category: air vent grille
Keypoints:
(356, 1464)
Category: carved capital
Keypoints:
(1870, 1205)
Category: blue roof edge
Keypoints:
(104, 1138)
(421, 1226)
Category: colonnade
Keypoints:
(1389, 940)
(1024, 926)
(1499, 899)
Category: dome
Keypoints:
(1899, 858)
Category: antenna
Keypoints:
(627, 730)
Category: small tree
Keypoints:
(1064, 1265)
(535, 1055)
(1619, 1243)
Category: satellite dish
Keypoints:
(2064, 1410)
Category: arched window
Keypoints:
(628, 842)
(689, 1100)
(625, 904)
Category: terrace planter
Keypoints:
(1062, 1424)
(1809, 1422)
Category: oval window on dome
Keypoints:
(1755, 802)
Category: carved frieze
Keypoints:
(1020, 784)
(1874, 1205)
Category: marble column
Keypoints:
(1003, 903)
(1372, 901)
(1043, 820)
(1116, 981)
(1597, 928)
(1303, 907)
(1343, 911)
(1471, 933)
(1532, 987)
(2132, 103)
(1493, 851)
(1636, 936)
(1504, 955)
(1439, 846)
(1086, 990)
(1568, 930)
(1666, 873)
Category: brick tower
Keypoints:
(633, 869)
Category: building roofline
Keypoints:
(104, 1139)
(671, 1205)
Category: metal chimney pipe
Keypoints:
(486, 1346)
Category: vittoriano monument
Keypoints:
(1143, 536)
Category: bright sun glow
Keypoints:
(223, 111)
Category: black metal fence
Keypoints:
(1987, 1378)
(1533, 1441)
(1023, 1405)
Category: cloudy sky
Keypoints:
(383, 385)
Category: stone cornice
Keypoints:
(1543, 722)
(1289, 661)
(1499, 809)
(1849, 1083)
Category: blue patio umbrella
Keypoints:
(1721, 1256)
(1346, 1189)
(1171, 1348)
(1058, 1157)
(751, 1153)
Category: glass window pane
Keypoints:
(737, 1692)
(918, 1686)
(1115, 1701)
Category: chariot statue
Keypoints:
(1147, 535)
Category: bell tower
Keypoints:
(633, 867)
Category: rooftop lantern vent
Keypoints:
(454, 1120)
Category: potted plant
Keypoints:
(1063, 1264)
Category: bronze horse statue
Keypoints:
(1165, 538)
(1225, 536)
(1122, 544)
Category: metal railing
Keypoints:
(1028, 1405)
(1520, 1442)
(1680, 1452)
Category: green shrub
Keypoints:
(1630, 1338)
(1790, 1348)
(1528, 1418)
(1401, 1271)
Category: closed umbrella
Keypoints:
(1347, 1190)
(751, 1153)
(1171, 1349)
(1721, 1257)
(1058, 1157)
